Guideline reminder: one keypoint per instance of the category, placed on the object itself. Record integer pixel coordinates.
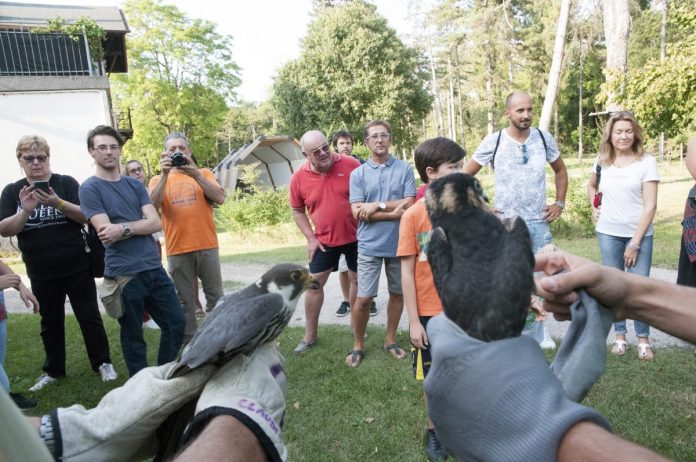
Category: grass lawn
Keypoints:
(376, 412)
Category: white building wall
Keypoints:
(62, 117)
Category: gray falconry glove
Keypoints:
(252, 388)
(121, 427)
(497, 401)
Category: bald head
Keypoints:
(312, 139)
(516, 97)
(519, 112)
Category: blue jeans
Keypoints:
(612, 249)
(155, 290)
(540, 233)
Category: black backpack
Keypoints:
(497, 143)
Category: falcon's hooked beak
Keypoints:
(310, 282)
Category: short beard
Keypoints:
(520, 127)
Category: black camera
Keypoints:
(178, 159)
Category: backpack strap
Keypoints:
(543, 140)
(495, 149)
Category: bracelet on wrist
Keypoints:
(61, 205)
(633, 246)
(560, 204)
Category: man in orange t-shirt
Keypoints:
(184, 194)
(434, 158)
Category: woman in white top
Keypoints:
(627, 182)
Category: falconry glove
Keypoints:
(251, 388)
(122, 425)
(582, 355)
(497, 400)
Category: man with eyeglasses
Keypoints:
(321, 187)
(43, 211)
(381, 190)
(185, 195)
(519, 154)
(120, 210)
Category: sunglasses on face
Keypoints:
(318, 151)
(31, 159)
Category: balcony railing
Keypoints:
(24, 53)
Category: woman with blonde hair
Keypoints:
(623, 192)
(43, 211)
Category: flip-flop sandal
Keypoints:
(619, 347)
(645, 352)
(354, 358)
(395, 350)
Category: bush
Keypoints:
(576, 220)
(246, 211)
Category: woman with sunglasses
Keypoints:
(43, 211)
(623, 192)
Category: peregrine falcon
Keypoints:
(482, 266)
(245, 319)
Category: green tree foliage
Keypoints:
(243, 123)
(353, 68)
(181, 78)
(662, 93)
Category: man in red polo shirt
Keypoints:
(321, 188)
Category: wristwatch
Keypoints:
(382, 206)
(560, 204)
(126, 230)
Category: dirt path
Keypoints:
(248, 273)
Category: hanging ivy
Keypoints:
(94, 32)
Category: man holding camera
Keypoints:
(185, 195)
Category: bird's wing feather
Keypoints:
(235, 323)
(439, 255)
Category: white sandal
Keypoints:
(645, 352)
(619, 348)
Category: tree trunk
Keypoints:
(580, 94)
(617, 27)
(459, 98)
(555, 72)
(436, 96)
(663, 45)
(452, 116)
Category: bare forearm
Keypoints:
(302, 223)
(666, 306)
(11, 226)
(211, 190)
(157, 193)
(146, 226)
(588, 442)
(71, 211)
(224, 438)
(561, 184)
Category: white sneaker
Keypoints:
(43, 380)
(151, 324)
(547, 343)
(107, 372)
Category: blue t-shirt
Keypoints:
(373, 182)
(520, 187)
(122, 201)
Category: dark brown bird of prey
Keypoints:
(482, 267)
(245, 319)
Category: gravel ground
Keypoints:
(332, 299)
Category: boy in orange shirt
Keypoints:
(434, 158)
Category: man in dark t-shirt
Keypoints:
(120, 210)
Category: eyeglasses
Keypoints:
(136, 170)
(104, 148)
(525, 153)
(318, 151)
(379, 136)
(31, 159)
